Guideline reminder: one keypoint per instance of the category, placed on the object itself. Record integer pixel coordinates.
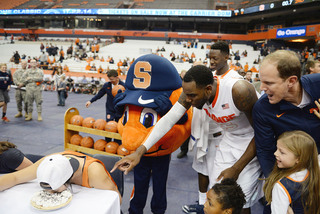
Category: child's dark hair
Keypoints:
(230, 195)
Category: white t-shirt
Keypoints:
(306, 99)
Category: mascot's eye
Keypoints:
(148, 117)
(125, 116)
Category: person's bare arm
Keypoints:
(244, 97)
(25, 163)
(22, 176)
(290, 211)
(127, 163)
(99, 179)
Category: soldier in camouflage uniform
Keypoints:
(20, 93)
(32, 80)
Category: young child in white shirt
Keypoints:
(294, 185)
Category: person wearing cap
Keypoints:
(229, 103)
(153, 85)
(20, 93)
(57, 171)
(32, 79)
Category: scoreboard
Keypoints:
(269, 6)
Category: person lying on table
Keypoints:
(57, 171)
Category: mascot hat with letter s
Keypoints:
(151, 78)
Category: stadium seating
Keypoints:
(119, 51)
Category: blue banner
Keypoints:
(111, 11)
(291, 32)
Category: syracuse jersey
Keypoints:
(237, 129)
(213, 127)
(229, 74)
(238, 133)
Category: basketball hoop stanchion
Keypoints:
(70, 130)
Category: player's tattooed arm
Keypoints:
(244, 97)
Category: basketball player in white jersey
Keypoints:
(230, 105)
(218, 55)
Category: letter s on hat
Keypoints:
(143, 77)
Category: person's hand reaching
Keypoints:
(317, 112)
(127, 163)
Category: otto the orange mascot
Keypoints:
(153, 85)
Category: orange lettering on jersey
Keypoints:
(222, 119)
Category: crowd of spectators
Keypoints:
(52, 58)
(309, 58)
(82, 85)
(80, 51)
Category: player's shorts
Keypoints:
(4, 96)
(202, 167)
(249, 179)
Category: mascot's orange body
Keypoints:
(153, 85)
(134, 131)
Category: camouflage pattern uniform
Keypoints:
(20, 93)
(32, 80)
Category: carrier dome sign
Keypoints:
(111, 11)
(291, 32)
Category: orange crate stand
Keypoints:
(70, 130)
